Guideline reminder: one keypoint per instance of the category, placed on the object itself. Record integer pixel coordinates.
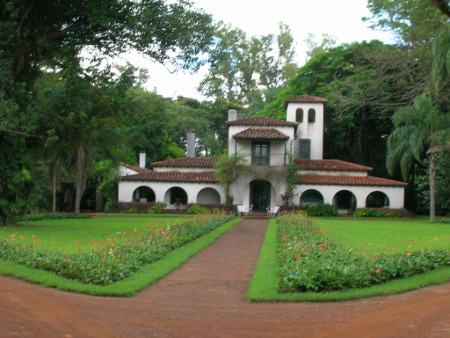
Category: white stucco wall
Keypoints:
(395, 194)
(244, 146)
(332, 173)
(126, 189)
(124, 171)
(306, 130)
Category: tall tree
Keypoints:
(419, 131)
(242, 69)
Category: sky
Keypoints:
(340, 19)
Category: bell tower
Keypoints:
(308, 111)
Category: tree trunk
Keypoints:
(432, 186)
(54, 183)
(83, 162)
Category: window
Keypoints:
(311, 115)
(299, 115)
(305, 149)
(261, 153)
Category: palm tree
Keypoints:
(420, 131)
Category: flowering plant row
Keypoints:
(111, 262)
(310, 260)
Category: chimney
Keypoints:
(142, 159)
(190, 146)
(232, 115)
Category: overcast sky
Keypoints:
(341, 19)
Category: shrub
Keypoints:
(39, 217)
(321, 210)
(156, 209)
(109, 205)
(197, 209)
(309, 260)
(130, 211)
(113, 262)
(376, 214)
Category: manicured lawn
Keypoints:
(388, 236)
(71, 236)
(113, 257)
(379, 238)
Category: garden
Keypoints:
(333, 259)
(105, 256)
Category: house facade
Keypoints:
(266, 145)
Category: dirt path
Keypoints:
(205, 298)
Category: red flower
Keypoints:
(378, 270)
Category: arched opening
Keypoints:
(299, 115)
(260, 198)
(176, 194)
(311, 197)
(144, 194)
(208, 196)
(377, 199)
(345, 201)
(311, 115)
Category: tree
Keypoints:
(227, 170)
(364, 83)
(242, 69)
(419, 131)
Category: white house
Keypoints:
(265, 144)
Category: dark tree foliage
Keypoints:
(365, 83)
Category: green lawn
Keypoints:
(80, 235)
(70, 235)
(382, 237)
(388, 236)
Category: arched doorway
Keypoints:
(345, 201)
(208, 196)
(260, 192)
(176, 193)
(144, 194)
(377, 199)
(311, 197)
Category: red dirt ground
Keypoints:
(205, 298)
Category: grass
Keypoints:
(263, 285)
(78, 235)
(388, 236)
(144, 277)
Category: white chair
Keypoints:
(274, 211)
(178, 204)
(242, 210)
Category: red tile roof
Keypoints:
(305, 99)
(348, 180)
(333, 165)
(261, 133)
(262, 121)
(164, 176)
(132, 167)
(188, 162)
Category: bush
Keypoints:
(40, 217)
(376, 214)
(309, 260)
(113, 262)
(197, 209)
(130, 211)
(321, 210)
(156, 209)
(109, 205)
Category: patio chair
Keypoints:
(178, 204)
(242, 210)
(274, 211)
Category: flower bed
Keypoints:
(310, 260)
(112, 262)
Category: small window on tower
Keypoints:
(311, 115)
(299, 115)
